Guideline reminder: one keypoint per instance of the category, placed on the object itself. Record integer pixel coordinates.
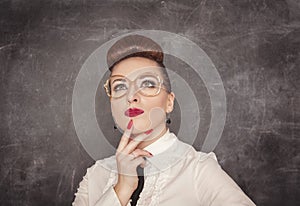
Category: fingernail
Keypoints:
(129, 124)
(149, 131)
(151, 154)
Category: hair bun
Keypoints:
(134, 46)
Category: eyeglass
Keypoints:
(147, 84)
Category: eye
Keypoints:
(119, 87)
(148, 84)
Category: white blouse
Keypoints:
(176, 175)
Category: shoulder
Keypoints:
(192, 153)
(199, 161)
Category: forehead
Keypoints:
(135, 66)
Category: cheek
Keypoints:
(118, 114)
(155, 115)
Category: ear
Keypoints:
(170, 102)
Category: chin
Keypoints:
(137, 132)
(141, 125)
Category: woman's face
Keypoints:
(147, 112)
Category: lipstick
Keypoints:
(133, 112)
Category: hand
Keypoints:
(128, 158)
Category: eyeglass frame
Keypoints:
(106, 86)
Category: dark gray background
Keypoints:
(254, 45)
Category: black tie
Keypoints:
(136, 194)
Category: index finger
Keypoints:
(125, 137)
(135, 142)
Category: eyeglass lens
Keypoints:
(147, 85)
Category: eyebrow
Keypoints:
(119, 79)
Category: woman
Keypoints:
(151, 166)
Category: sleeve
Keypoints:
(81, 196)
(92, 192)
(215, 187)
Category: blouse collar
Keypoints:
(162, 144)
(167, 151)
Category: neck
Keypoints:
(156, 134)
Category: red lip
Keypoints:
(133, 112)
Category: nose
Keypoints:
(132, 95)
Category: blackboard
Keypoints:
(254, 45)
